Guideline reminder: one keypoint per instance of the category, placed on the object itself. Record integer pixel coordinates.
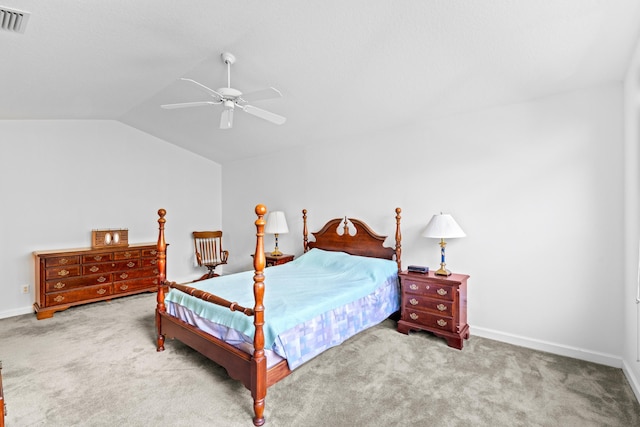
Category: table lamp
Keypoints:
(443, 226)
(276, 224)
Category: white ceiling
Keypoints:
(343, 67)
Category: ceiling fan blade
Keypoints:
(226, 119)
(264, 114)
(188, 104)
(261, 94)
(208, 89)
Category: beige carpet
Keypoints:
(96, 365)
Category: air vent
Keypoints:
(13, 20)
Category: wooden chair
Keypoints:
(209, 252)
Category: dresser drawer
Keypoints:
(81, 294)
(61, 260)
(420, 302)
(430, 320)
(135, 274)
(107, 267)
(62, 272)
(431, 289)
(127, 255)
(135, 285)
(148, 262)
(150, 253)
(88, 259)
(77, 282)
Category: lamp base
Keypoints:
(276, 252)
(442, 272)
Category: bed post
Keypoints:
(305, 231)
(162, 260)
(398, 240)
(259, 361)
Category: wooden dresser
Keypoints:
(435, 303)
(69, 277)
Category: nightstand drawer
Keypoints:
(445, 323)
(419, 302)
(431, 289)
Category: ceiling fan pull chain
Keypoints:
(228, 74)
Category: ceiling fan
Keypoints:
(231, 99)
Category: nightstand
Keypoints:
(277, 259)
(437, 304)
(272, 260)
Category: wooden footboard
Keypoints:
(251, 370)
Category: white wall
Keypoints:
(61, 179)
(630, 307)
(536, 186)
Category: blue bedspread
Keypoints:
(315, 283)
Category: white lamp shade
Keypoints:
(443, 226)
(276, 223)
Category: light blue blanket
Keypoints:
(314, 283)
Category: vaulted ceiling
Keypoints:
(343, 67)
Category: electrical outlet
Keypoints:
(25, 289)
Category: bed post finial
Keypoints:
(162, 268)
(259, 361)
(398, 240)
(305, 231)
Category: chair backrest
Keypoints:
(208, 248)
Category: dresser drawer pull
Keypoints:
(156, 271)
(442, 292)
(154, 252)
(63, 273)
(414, 316)
(127, 254)
(94, 269)
(64, 261)
(101, 279)
(97, 257)
(131, 264)
(101, 291)
(413, 287)
(441, 307)
(59, 285)
(59, 298)
(154, 261)
(124, 287)
(442, 322)
(155, 281)
(124, 275)
(413, 301)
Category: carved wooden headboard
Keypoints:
(364, 242)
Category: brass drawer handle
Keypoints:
(101, 279)
(101, 291)
(59, 285)
(413, 287)
(94, 269)
(63, 273)
(124, 275)
(64, 261)
(97, 257)
(154, 252)
(441, 307)
(156, 271)
(442, 322)
(155, 281)
(413, 301)
(127, 254)
(414, 316)
(124, 287)
(442, 292)
(131, 264)
(59, 298)
(154, 261)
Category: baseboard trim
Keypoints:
(633, 380)
(16, 312)
(549, 347)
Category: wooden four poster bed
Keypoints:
(248, 362)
